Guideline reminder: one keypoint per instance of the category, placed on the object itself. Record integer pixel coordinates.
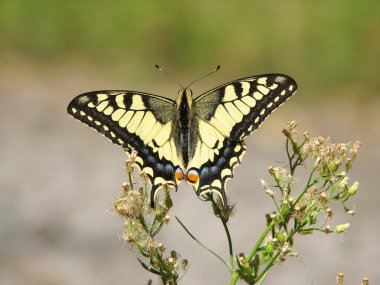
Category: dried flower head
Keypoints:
(130, 162)
(290, 130)
(184, 264)
(142, 223)
(355, 147)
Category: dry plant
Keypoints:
(299, 209)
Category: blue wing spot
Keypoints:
(169, 169)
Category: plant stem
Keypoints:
(130, 176)
(269, 265)
(308, 185)
(202, 245)
(235, 276)
(274, 257)
(260, 241)
(232, 264)
(225, 225)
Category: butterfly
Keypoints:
(198, 140)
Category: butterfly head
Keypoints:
(184, 99)
(185, 92)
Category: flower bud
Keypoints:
(353, 189)
(342, 228)
(159, 215)
(343, 183)
(342, 173)
(339, 279)
(329, 213)
(184, 264)
(174, 254)
(161, 247)
(168, 201)
(327, 229)
(285, 209)
(313, 218)
(334, 165)
(280, 237)
(270, 193)
(277, 174)
(271, 170)
(242, 258)
(166, 219)
(125, 187)
(269, 248)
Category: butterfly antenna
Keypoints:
(204, 76)
(168, 76)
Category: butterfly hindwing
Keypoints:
(215, 165)
(136, 121)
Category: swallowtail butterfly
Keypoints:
(198, 140)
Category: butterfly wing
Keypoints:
(136, 121)
(225, 116)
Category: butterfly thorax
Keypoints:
(183, 118)
(184, 102)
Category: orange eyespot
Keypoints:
(192, 176)
(179, 174)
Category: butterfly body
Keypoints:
(199, 140)
(184, 122)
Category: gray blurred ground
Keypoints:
(59, 179)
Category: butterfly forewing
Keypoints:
(239, 107)
(227, 114)
(136, 121)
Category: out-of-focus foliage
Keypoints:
(324, 43)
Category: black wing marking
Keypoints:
(239, 107)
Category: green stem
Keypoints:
(308, 185)
(145, 227)
(225, 226)
(153, 233)
(274, 258)
(166, 269)
(269, 265)
(235, 276)
(260, 241)
(232, 264)
(202, 245)
(259, 282)
(130, 176)
(288, 154)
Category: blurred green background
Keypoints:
(58, 179)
